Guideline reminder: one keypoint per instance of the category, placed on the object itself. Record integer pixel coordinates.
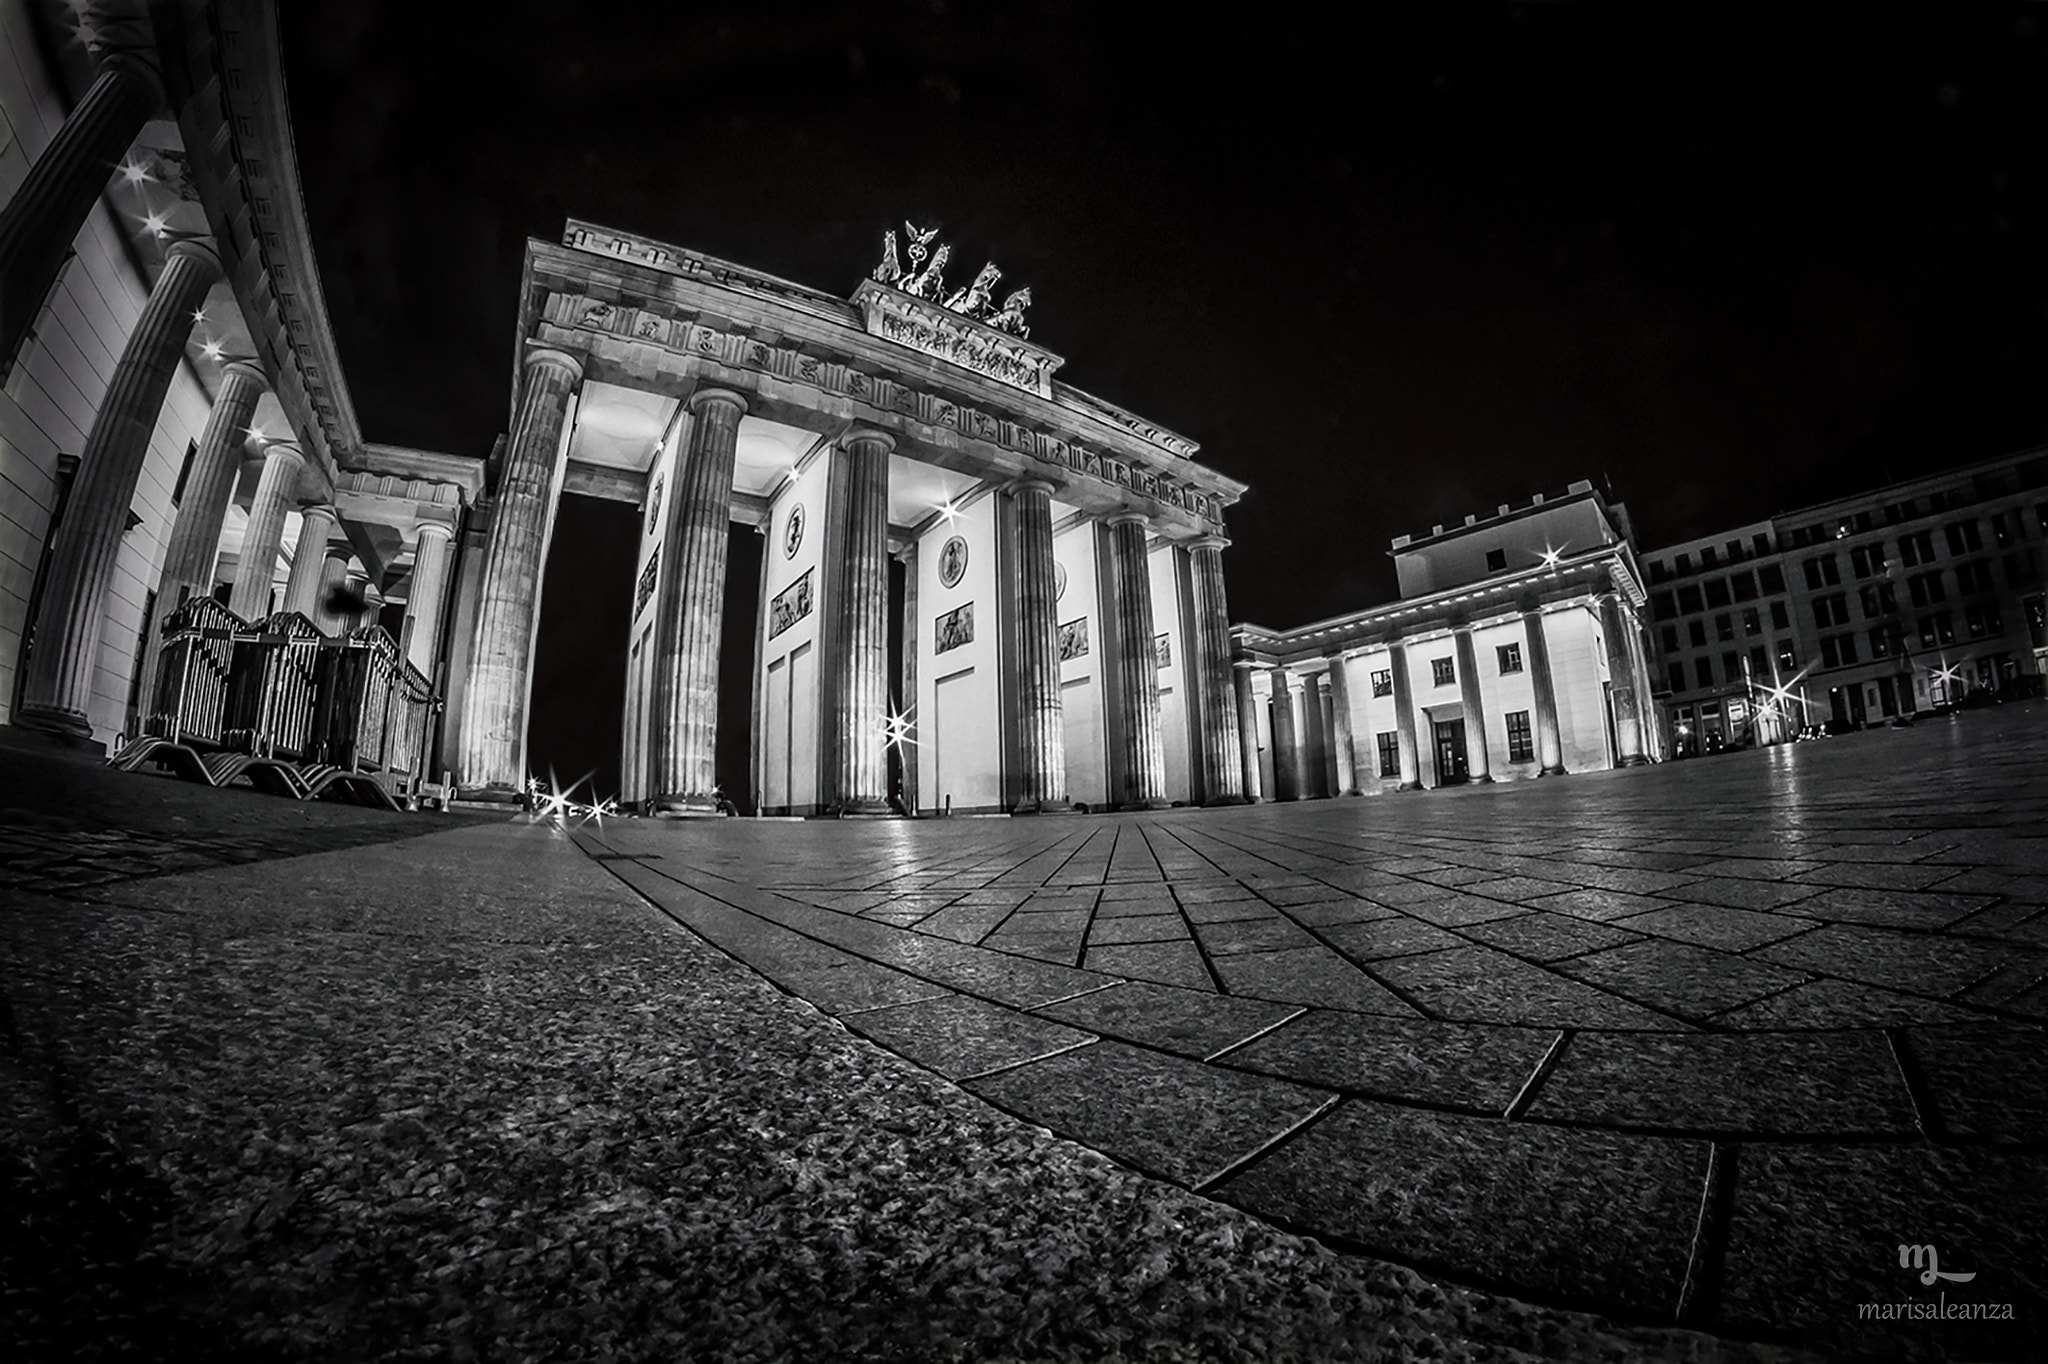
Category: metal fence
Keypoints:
(281, 689)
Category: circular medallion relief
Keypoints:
(654, 506)
(953, 562)
(793, 533)
(1059, 581)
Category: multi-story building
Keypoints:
(1857, 610)
(1517, 649)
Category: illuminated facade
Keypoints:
(1516, 650)
(177, 444)
(1857, 610)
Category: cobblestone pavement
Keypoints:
(1707, 1042)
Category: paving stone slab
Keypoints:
(1168, 963)
(1560, 1212)
(1190, 1023)
(1600, 905)
(1744, 894)
(1481, 985)
(964, 923)
(1343, 909)
(1211, 893)
(1986, 1079)
(1783, 1084)
(1227, 911)
(1921, 963)
(1841, 1004)
(1137, 928)
(958, 1037)
(1399, 936)
(1313, 975)
(1689, 980)
(1815, 1231)
(1166, 1115)
(1518, 888)
(1546, 937)
(1456, 1065)
(1457, 910)
(1721, 926)
(852, 987)
(1150, 906)
(1270, 934)
(1892, 908)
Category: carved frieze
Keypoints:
(929, 327)
(953, 629)
(790, 605)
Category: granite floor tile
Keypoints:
(1546, 937)
(1227, 911)
(1518, 888)
(1211, 893)
(857, 985)
(1920, 963)
(1349, 909)
(1721, 926)
(1840, 1004)
(957, 1036)
(1601, 905)
(1458, 910)
(1481, 985)
(1271, 934)
(1166, 1115)
(1393, 937)
(1190, 1023)
(1138, 928)
(964, 923)
(1555, 1212)
(1753, 1084)
(1168, 963)
(1986, 1079)
(1892, 908)
(1693, 981)
(1744, 894)
(1314, 976)
(1456, 1065)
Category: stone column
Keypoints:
(276, 490)
(424, 601)
(1343, 748)
(45, 214)
(1143, 766)
(57, 691)
(303, 586)
(1621, 678)
(334, 561)
(858, 499)
(195, 537)
(1247, 728)
(1041, 726)
(1223, 748)
(683, 715)
(1315, 740)
(1404, 717)
(1476, 765)
(493, 742)
(1286, 751)
(1549, 743)
(363, 599)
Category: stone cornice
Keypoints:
(224, 70)
(754, 326)
(462, 471)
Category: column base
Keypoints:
(1637, 761)
(1044, 807)
(489, 797)
(58, 724)
(22, 733)
(1557, 771)
(1221, 801)
(683, 807)
(1409, 786)
(1155, 803)
(1479, 781)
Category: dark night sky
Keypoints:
(1387, 269)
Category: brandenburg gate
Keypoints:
(1063, 635)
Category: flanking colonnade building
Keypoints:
(1517, 650)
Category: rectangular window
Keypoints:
(1780, 618)
(1759, 662)
(1496, 561)
(1901, 511)
(1938, 628)
(1678, 677)
(1916, 549)
(1771, 578)
(1751, 624)
(1704, 666)
(1717, 592)
(1847, 643)
(1670, 639)
(1708, 559)
(2019, 570)
(1724, 627)
(1443, 671)
(1681, 564)
(1510, 658)
(1383, 682)
(1984, 620)
(1762, 541)
(1973, 577)
(2001, 529)
(1696, 630)
(1963, 537)
(1821, 572)
(1743, 585)
(1830, 656)
(1662, 606)
(1731, 666)
(1390, 753)
(1831, 610)
(1689, 600)
(1926, 588)
(1881, 641)
(1787, 660)
(1868, 560)
(1521, 747)
(2037, 620)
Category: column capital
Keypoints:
(283, 449)
(561, 359)
(707, 395)
(247, 370)
(1030, 483)
(1128, 518)
(197, 250)
(1215, 542)
(429, 526)
(134, 66)
(859, 435)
